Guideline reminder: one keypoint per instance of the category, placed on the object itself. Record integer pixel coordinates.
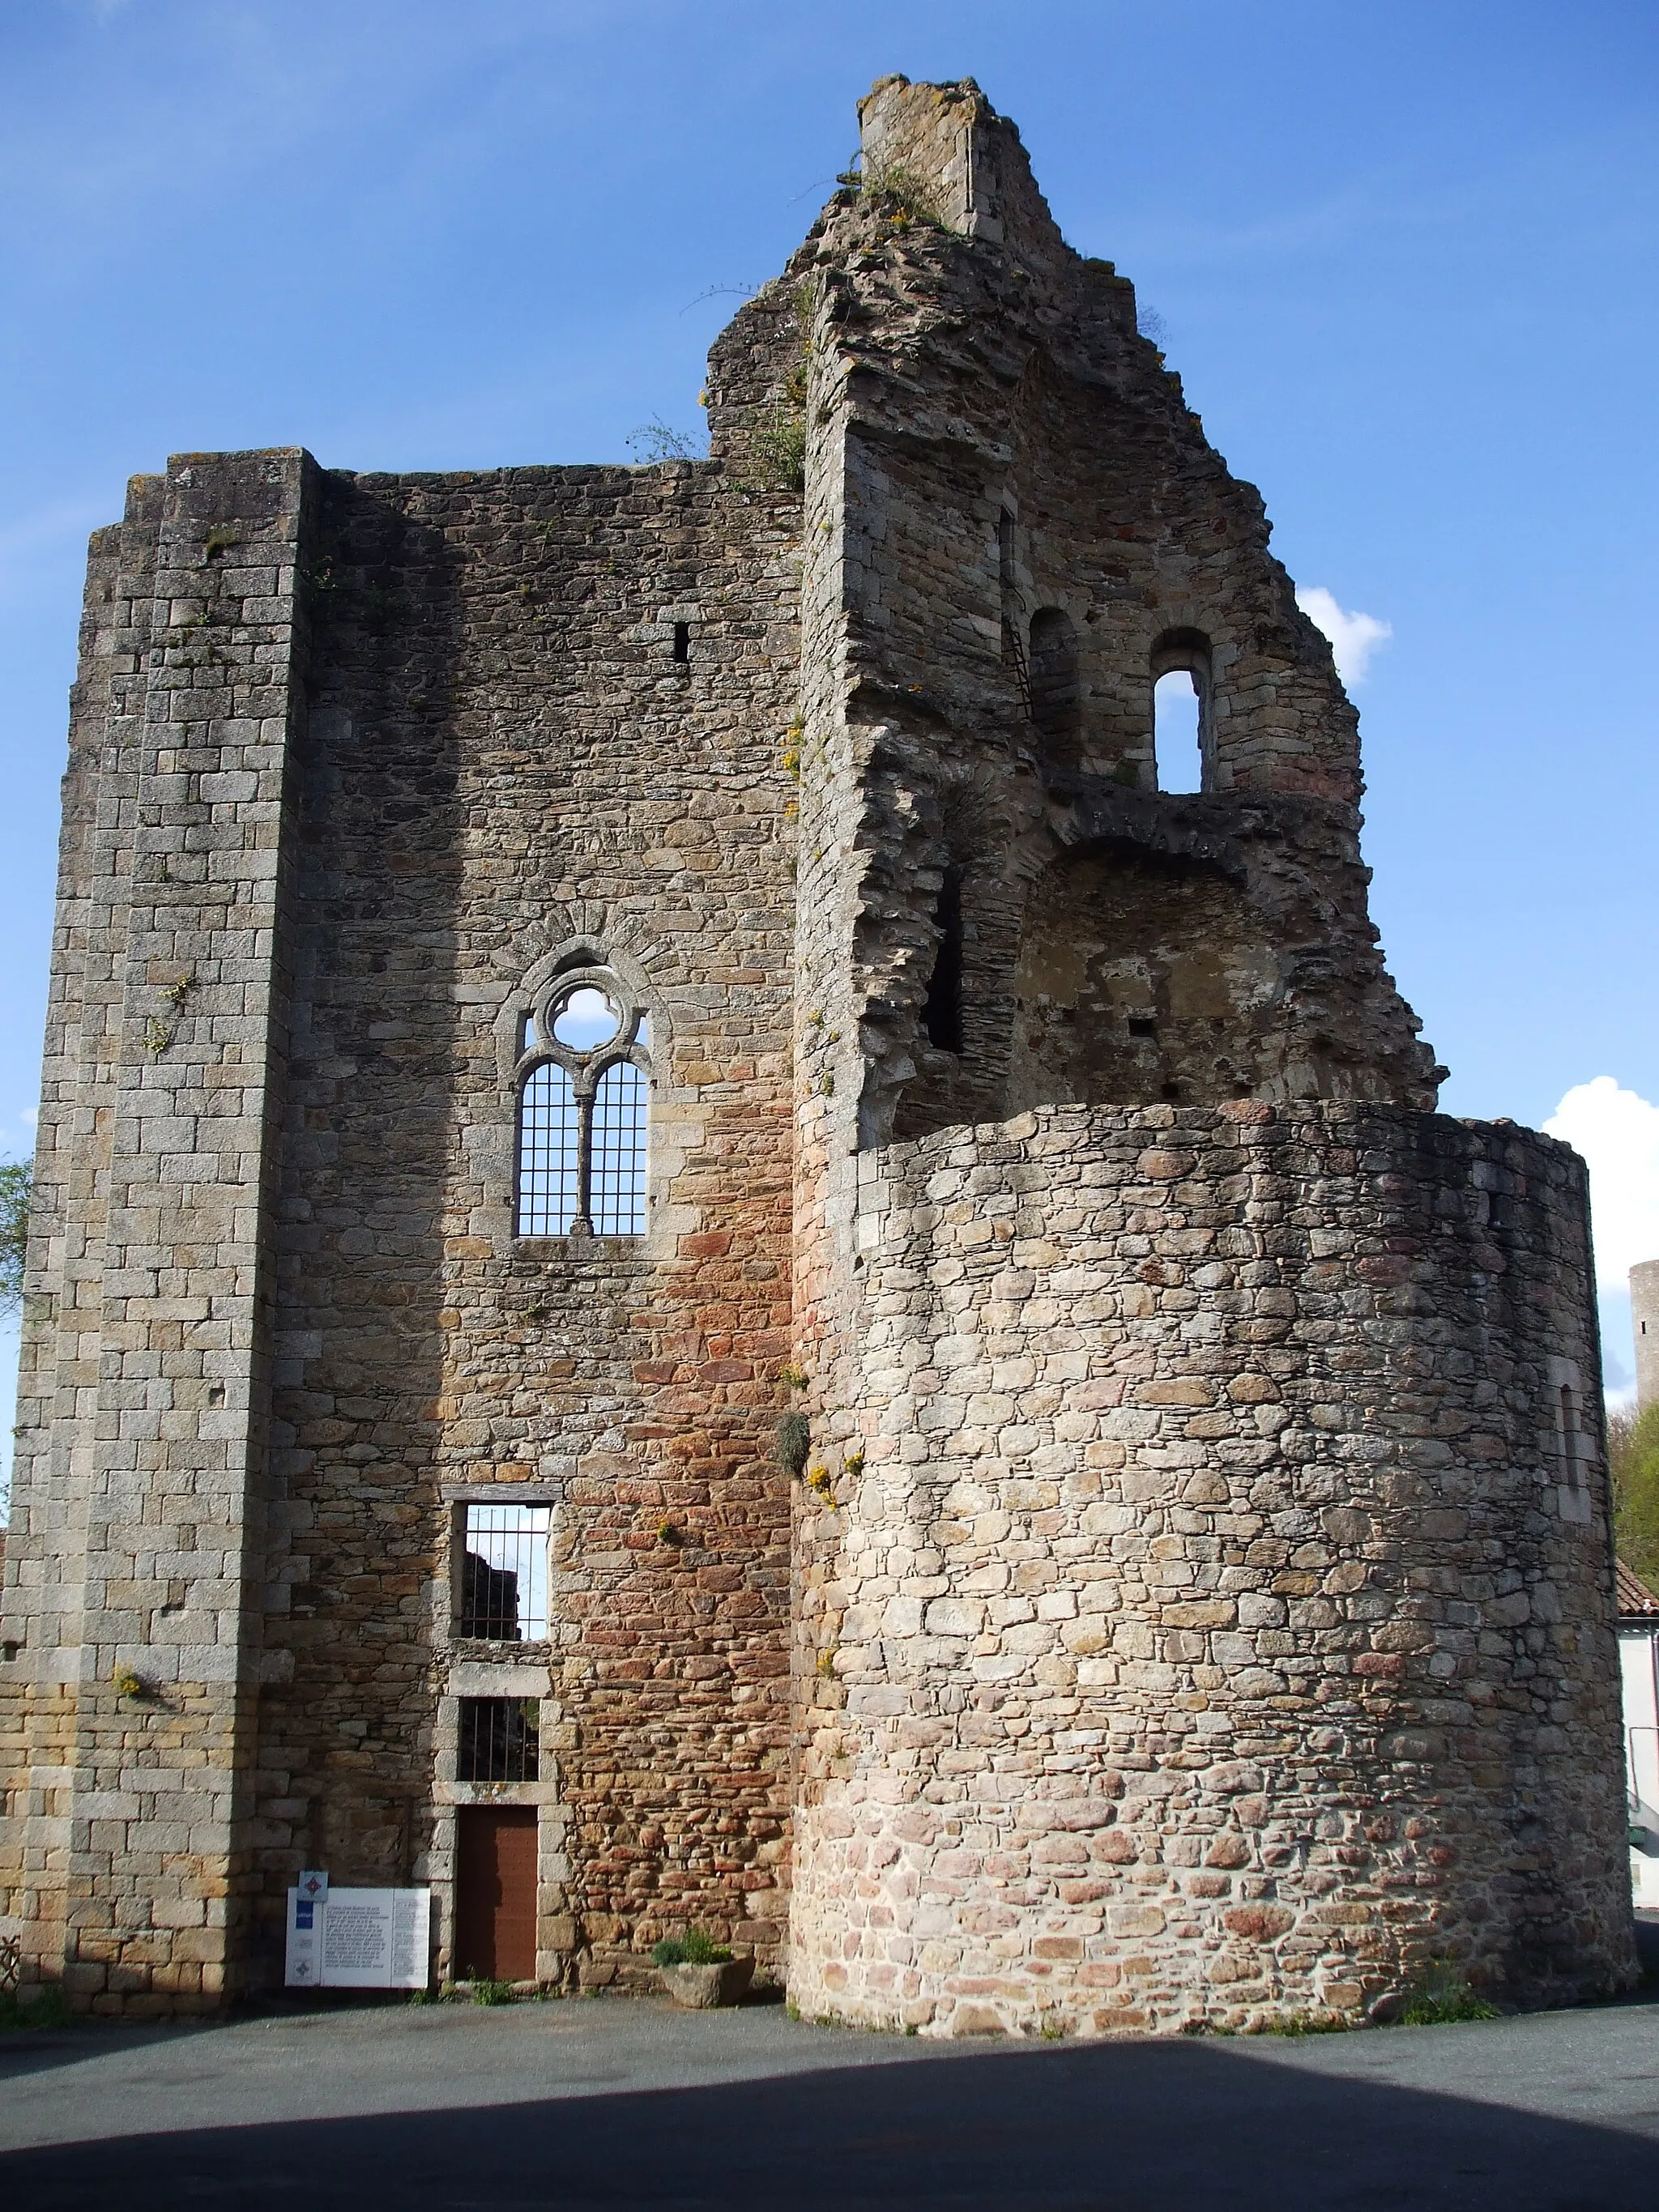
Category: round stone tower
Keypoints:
(1645, 1326)
(1204, 1606)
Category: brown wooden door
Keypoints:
(496, 1894)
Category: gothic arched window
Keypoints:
(583, 1079)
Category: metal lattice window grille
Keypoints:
(500, 1740)
(503, 1582)
(584, 1086)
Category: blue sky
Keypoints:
(1404, 253)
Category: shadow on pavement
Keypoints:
(1125, 2128)
(41, 2050)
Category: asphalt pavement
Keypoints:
(620, 2102)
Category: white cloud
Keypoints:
(1354, 637)
(1618, 1133)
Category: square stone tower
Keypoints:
(697, 1256)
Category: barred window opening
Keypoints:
(503, 1589)
(500, 1740)
(584, 1100)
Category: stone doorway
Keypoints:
(496, 1894)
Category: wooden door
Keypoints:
(496, 1894)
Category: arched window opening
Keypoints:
(941, 1011)
(1177, 741)
(1056, 697)
(584, 1098)
(1180, 710)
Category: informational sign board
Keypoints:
(359, 1939)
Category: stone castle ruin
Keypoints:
(698, 1263)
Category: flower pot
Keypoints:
(702, 1988)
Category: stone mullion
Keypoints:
(582, 1089)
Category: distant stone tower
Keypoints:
(1644, 1324)
(557, 968)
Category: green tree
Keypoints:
(1633, 1458)
(16, 1188)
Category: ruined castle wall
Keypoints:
(1209, 1626)
(508, 762)
(147, 1320)
(1199, 1577)
(40, 1669)
(376, 754)
(1002, 372)
(1024, 520)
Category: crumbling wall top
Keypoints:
(947, 143)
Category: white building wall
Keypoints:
(1638, 1663)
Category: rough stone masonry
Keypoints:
(1193, 1607)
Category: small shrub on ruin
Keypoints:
(793, 1443)
(656, 441)
(778, 443)
(896, 191)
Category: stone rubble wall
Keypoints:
(1200, 1631)
(510, 766)
(992, 440)
(57, 1374)
(1204, 1631)
(363, 758)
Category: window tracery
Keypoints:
(583, 1080)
